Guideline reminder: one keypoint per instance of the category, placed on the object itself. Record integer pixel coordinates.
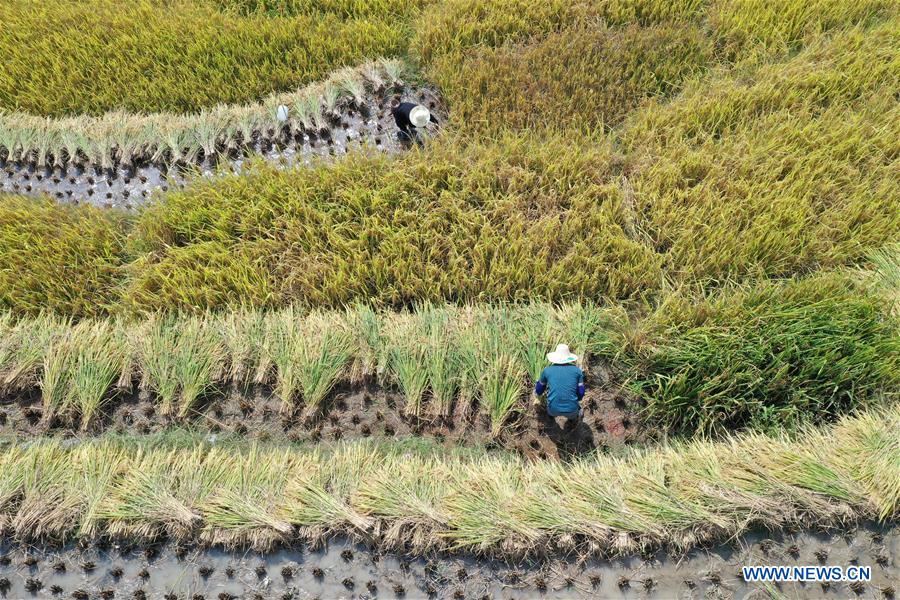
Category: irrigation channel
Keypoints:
(610, 420)
(344, 569)
(368, 125)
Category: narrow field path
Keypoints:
(350, 412)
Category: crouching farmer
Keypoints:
(411, 117)
(564, 383)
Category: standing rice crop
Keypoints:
(55, 376)
(309, 353)
(323, 357)
(441, 357)
(103, 357)
(23, 350)
(180, 360)
(770, 356)
(369, 357)
(408, 359)
(174, 55)
(244, 337)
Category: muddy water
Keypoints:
(347, 570)
(350, 411)
(370, 126)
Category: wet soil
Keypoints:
(351, 411)
(369, 125)
(343, 569)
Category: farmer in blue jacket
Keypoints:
(564, 383)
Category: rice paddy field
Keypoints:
(254, 345)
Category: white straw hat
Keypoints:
(561, 356)
(419, 116)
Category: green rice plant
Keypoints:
(467, 339)
(56, 371)
(408, 361)
(284, 340)
(309, 353)
(772, 356)
(501, 390)
(101, 358)
(25, 349)
(532, 332)
(441, 358)
(180, 360)
(244, 337)
(370, 355)
(323, 358)
(591, 331)
(887, 274)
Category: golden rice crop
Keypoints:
(520, 217)
(65, 259)
(451, 26)
(65, 58)
(579, 78)
(401, 496)
(789, 23)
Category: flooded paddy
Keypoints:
(344, 569)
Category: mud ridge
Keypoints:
(350, 412)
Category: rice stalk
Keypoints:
(102, 356)
(323, 357)
(442, 359)
(408, 364)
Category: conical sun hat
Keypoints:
(562, 355)
(419, 116)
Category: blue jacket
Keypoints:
(565, 388)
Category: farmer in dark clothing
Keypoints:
(408, 117)
(564, 383)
